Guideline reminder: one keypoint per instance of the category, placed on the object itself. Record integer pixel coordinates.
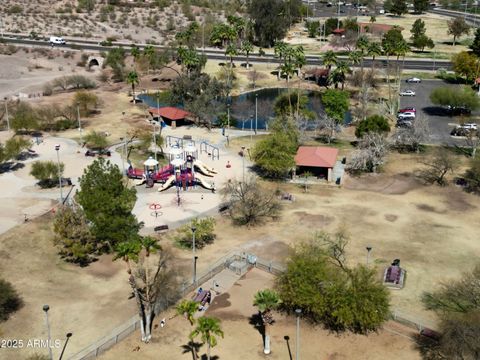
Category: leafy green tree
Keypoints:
(399, 7)
(116, 60)
(335, 103)
(24, 118)
(419, 39)
(472, 177)
(10, 301)
(108, 204)
(420, 6)
(312, 28)
(318, 281)
(95, 140)
(466, 65)
(448, 96)
(47, 173)
(374, 123)
(73, 236)
(331, 25)
(275, 154)
(475, 46)
(284, 103)
(457, 27)
(87, 102)
(266, 301)
(270, 23)
(204, 235)
(250, 203)
(133, 80)
(208, 329)
(456, 304)
(13, 148)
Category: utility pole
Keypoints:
(45, 309)
(256, 113)
(338, 15)
(6, 113)
(194, 229)
(298, 312)
(57, 149)
(79, 124)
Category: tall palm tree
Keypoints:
(299, 61)
(339, 75)
(190, 60)
(149, 52)
(354, 57)
(132, 79)
(329, 59)
(150, 245)
(208, 328)
(247, 48)
(266, 301)
(362, 46)
(135, 51)
(374, 49)
(288, 69)
(231, 51)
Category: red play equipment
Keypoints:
(154, 173)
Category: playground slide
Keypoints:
(204, 183)
(203, 169)
(139, 182)
(167, 183)
(209, 169)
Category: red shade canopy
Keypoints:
(316, 156)
(171, 113)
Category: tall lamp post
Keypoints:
(298, 312)
(243, 163)
(6, 113)
(194, 229)
(155, 138)
(369, 248)
(79, 124)
(57, 149)
(256, 113)
(69, 335)
(45, 309)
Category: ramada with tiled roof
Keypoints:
(319, 160)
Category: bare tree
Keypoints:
(328, 127)
(249, 203)
(472, 140)
(371, 153)
(253, 76)
(412, 137)
(438, 166)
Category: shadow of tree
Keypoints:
(256, 321)
(214, 357)
(193, 348)
(429, 349)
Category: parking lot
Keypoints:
(440, 123)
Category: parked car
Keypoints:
(406, 115)
(469, 126)
(100, 152)
(414, 80)
(408, 109)
(404, 123)
(66, 181)
(407, 93)
(458, 110)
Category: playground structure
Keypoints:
(182, 171)
(394, 275)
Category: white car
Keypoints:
(406, 115)
(407, 93)
(469, 126)
(54, 40)
(414, 80)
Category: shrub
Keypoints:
(10, 301)
(15, 9)
(46, 172)
(374, 123)
(204, 233)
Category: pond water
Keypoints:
(242, 108)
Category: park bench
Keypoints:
(160, 228)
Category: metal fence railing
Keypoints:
(251, 260)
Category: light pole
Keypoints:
(228, 118)
(57, 149)
(194, 229)
(69, 335)
(251, 130)
(298, 312)
(6, 113)
(338, 15)
(79, 124)
(45, 309)
(243, 163)
(256, 113)
(369, 248)
(155, 139)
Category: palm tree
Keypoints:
(187, 308)
(354, 57)
(288, 69)
(339, 75)
(127, 251)
(135, 51)
(149, 53)
(266, 301)
(374, 49)
(362, 46)
(247, 48)
(329, 59)
(132, 79)
(231, 51)
(190, 60)
(208, 328)
(300, 61)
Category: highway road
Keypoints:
(472, 19)
(218, 54)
